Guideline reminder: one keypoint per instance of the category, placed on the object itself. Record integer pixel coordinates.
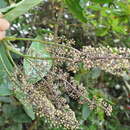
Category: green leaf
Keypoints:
(100, 113)
(93, 127)
(5, 84)
(21, 8)
(27, 106)
(5, 99)
(7, 62)
(95, 73)
(36, 69)
(14, 127)
(2, 121)
(4, 91)
(3, 4)
(85, 111)
(101, 31)
(83, 3)
(76, 10)
(6, 9)
(8, 110)
(21, 118)
(15, 113)
(103, 1)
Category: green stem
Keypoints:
(41, 41)
(9, 56)
(38, 58)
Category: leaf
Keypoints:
(27, 106)
(100, 113)
(3, 4)
(5, 84)
(4, 56)
(4, 91)
(15, 113)
(14, 127)
(95, 73)
(76, 10)
(103, 1)
(2, 121)
(6, 9)
(5, 99)
(21, 8)
(83, 3)
(8, 110)
(100, 31)
(85, 111)
(21, 118)
(93, 127)
(36, 69)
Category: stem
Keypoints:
(39, 58)
(41, 41)
(55, 44)
(10, 57)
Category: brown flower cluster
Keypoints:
(112, 60)
(48, 96)
(48, 100)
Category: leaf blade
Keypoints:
(21, 8)
(36, 69)
(76, 10)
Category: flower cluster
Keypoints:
(112, 60)
(48, 100)
(48, 96)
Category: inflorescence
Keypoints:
(48, 96)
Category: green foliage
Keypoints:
(5, 85)
(103, 15)
(4, 91)
(5, 99)
(27, 106)
(15, 113)
(102, 1)
(15, 127)
(76, 9)
(85, 112)
(32, 67)
(3, 4)
(21, 8)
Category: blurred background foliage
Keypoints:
(89, 22)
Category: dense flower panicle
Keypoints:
(48, 96)
(47, 101)
(75, 90)
(112, 60)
